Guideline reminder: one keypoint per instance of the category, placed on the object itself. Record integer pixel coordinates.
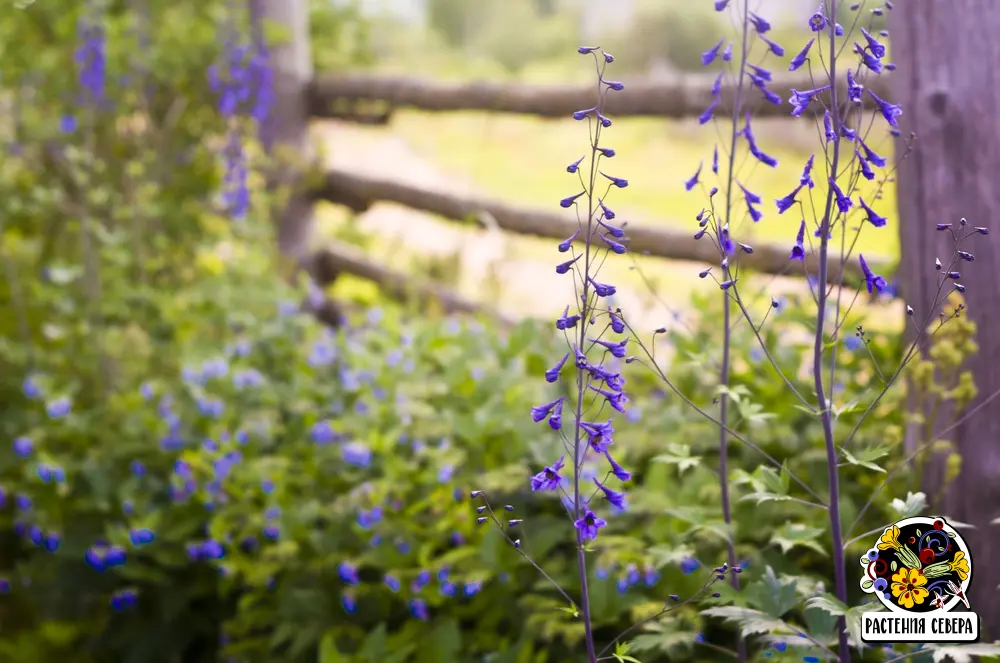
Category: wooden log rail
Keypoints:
(359, 192)
(336, 96)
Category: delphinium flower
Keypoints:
(850, 154)
(588, 388)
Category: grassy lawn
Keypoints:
(524, 159)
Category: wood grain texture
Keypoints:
(359, 192)
(949, 86)
(687, 96)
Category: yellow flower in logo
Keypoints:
(889, 539)
(908, 587)
(960, 565)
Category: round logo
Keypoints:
(918, 565)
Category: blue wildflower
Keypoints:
(799, 251)
(589, 524)
(800, 58)
(874, 218)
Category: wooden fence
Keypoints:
(371, 99)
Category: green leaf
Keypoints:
(760, 498)
(679, 455)
(328, 652)
(964, 653)
(914, 504)
(751, 622)
(829, 604)
(442, 644)
(853, 460)
(797, 534)
(853, 621)
(774, 595)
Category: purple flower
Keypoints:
(589, 524)
(617, 181)
(23, 446)
(889, 111)
(549, 478)
(876, 159)
(806, 179)
(866, 170)
(357, 454)
(552, 375)
(575, 166)
(715, 160)
(785, 203)
(708, 57)
(877, 49)
(615, 498)
(800, 58)
(759, 24)
(689, 565)
(418, 608)
(751, 200)
(868, 59)
(817, 21)
(873, 282)
(873, 217)
(843, 201)
(854, 89)
(799, 251)
(569, 200)
(706, 115)
(773, 47)
(551, 410)
(800, 100)
(831, 135)
(693, 182)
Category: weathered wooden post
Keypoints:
(285, 132)
(949, 88)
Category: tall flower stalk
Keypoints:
(597, 387)
(849, 161)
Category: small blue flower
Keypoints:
(689, 565)
(349, 603)
(67, 124)
(58, 408)
(141, 536)
(23, 446)
(873, 282)
(357, 454)
(418, 608)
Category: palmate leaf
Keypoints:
(964, 653)
(828, 603)
(679, 455)
(797, 534)
(853, 619)
(912, 506)
(751, 622)
(862, 461)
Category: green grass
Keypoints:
(523, 160)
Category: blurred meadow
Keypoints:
(522, 159)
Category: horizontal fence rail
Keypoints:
(336, 96)
(360, 192)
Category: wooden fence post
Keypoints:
(285, 133)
